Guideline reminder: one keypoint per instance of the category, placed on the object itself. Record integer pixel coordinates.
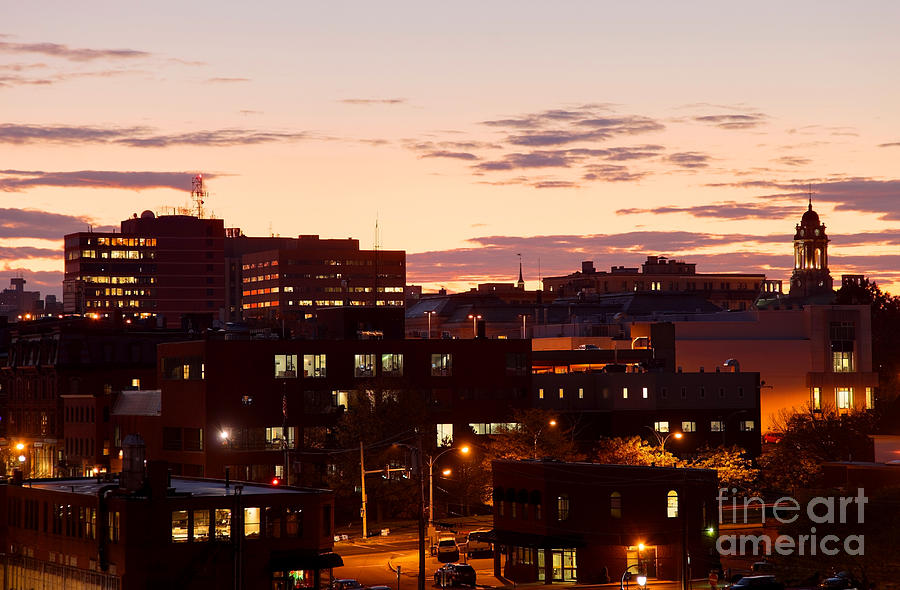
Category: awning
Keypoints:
(300, 560)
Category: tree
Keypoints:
(732, 466)
(535, 434)
(634, 451)
(810, 438)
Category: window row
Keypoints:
(634, 393)
(287, 366)
(203, 525)
(714, 426)
(843, 399)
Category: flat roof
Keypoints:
(195, 487)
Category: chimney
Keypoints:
(133, 453)
(587, 267)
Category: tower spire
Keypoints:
(810, 196)
(521, 282)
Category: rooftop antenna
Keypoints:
(198, 194)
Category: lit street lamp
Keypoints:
(475, 317)
(431, 461)
(537, 434)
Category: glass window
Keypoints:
(201, 526)
(285, 366)
(580, 393)
(313, 365)
(364, 365)
(273, 522)
(223, 524)
(562, 393)
(843, 362)
(562, 507)
(870, 398)
(251, 523)
(541, 393)
(179, 526)
(817, 398)
(662, 426)
(689, 426)
(645, 393)
(615, 505)
(441, 365)
(444, 434)
(516, 363)
(392, 365)
(844, 397)
(624, 393)
(672, 504)
(747, 425)
(293, 520)
(716, 426)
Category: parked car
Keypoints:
(345, 584)
(477, 543)
(447, 550)
(455, 574)
(757, 583)
(839, 581)
(378, 588)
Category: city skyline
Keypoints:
(471, 134)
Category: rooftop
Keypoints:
(194, 487)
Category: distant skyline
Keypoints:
(473, 132)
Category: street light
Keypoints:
(431, 461)
(429, 314)
(538, 434)
(662, 439)
(474, 317)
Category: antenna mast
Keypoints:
(198, 194)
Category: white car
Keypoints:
(477, 543)
(447, 550)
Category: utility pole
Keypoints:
(419, 462)
(362, 483)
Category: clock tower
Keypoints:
(810, 276)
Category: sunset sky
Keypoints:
(473, 131)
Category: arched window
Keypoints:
(615, 505)
(672, 504)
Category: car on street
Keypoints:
(478, 543)
(447, 549)
(757, 583)
(378, 588)
(839, 581)
(455, 574)
(345, 584)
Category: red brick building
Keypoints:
(566, 522)
(161, 532)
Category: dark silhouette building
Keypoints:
(810, 276)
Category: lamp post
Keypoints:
(429, 314)
(431, 461)
(661, 440)
(537, 435)
(474, 317)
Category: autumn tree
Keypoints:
(534, 434)
(732, 465)
(633, 450)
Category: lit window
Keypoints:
(223, 524)
(251, 523)
(716, 426)
(747, 425)
(817, 398)
(615, 505)
(689, 426)
(201, 526)
(672, 504)
(392, 364)
(441, 365)
(541, 393)
(581, 393)
(645, 393)
(314, 365)
(179, 526)
(870, 398)
(561, 393)
(444, 434)
(842, 362)
(364, 365)
(562, 507)
(844, 398)
(285, 366)
(624, 393)
(136, 383)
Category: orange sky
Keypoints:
(472, 132)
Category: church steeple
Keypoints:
(521, 282)
(810, 275)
